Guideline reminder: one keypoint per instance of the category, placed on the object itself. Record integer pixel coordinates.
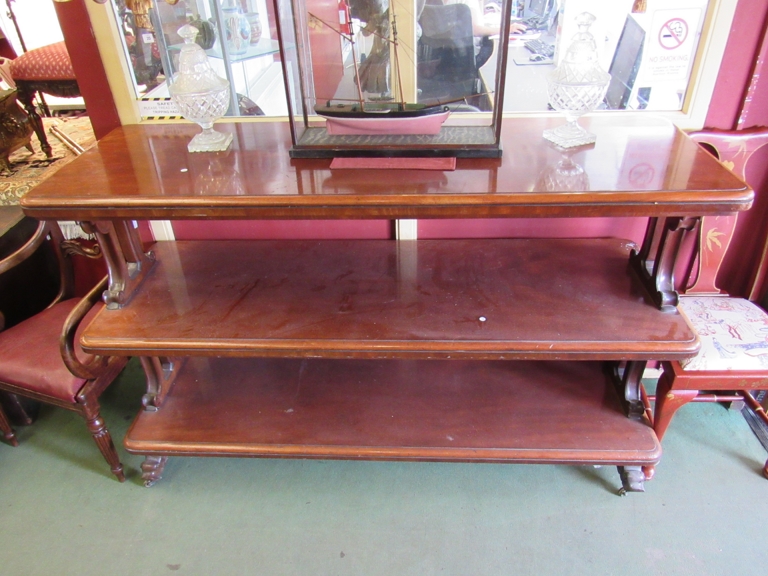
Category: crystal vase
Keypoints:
(201, 95)
(577, 86)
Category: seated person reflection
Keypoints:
(449, 61)
(480, 27)
(455, 43)
(483, 29)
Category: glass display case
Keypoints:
(393, 78)
(248, 56)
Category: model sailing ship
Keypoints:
(383, 116)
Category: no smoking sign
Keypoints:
(671, 45)
(673, 33)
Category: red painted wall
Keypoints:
(750, 234)
(89, 70)
(6, 50)
(283, 229)
(747, 32)
(629, 228)
(740, 101)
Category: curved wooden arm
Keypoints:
(45, 229)
(67, 344)
(29, 247)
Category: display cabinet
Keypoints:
(235, 34)
(399, 78)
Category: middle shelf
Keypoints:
(555, 299)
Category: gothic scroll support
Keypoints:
(161, 374)
(629, 386)
(127, 263)
(654, 264)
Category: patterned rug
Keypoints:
(28, 170)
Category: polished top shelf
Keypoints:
(640, 165)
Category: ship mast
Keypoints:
(349, 37)
(397, 59)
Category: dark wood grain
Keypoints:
(544, 298)
(639, 166)
(409, 410)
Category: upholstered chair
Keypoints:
(40, 358)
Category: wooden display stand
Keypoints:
(463, 350)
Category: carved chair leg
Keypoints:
(103, 440)
(760, 412)
(668, 401)
(20, 411)
(7, 430)
(27, 99)
(152, 469)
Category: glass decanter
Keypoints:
(577, 86)
(201, 95)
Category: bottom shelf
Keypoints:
(553, 412)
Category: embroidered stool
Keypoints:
(49, 70)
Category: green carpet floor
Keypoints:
(62, 512)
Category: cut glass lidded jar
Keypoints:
(577, 86)
(201, 95)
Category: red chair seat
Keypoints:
(37, 354)
(46, 63)
(29, 357)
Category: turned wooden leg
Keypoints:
(20, 411)
(152, 469)
(649, 472)
(7, 430)
(103, 440)
(759, 411)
